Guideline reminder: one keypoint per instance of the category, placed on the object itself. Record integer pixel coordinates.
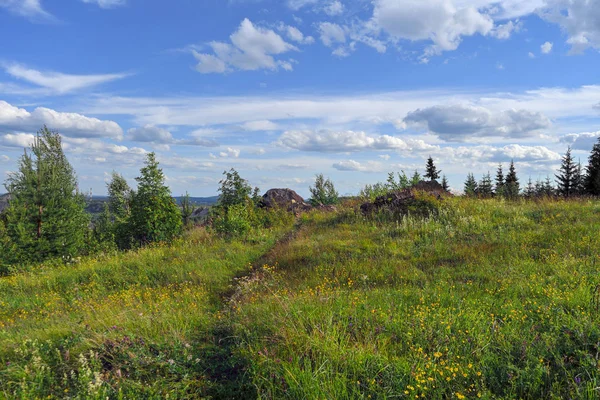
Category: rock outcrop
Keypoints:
(284, 198)
(408, 200)
(4, 199)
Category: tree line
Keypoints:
(572, 180)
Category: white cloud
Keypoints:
(106, 3)
(346, 141)
(531, 55)
(581, 141)
(151, 134)
(580, 19)
(16, 140)
(293, 166)
(331, 33)
(260, 126)
(31, 9)
(505, 30)
(69, 124)
(252, 48)
(439, 21)
(295, 35)
(334, 8)
(230, 153)
(461, 121)
(355, 166)
(546, 47)
(4, 158)
(58, 82)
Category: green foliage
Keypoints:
(323, 192)
(499, 187)
(120, 196)
(234, 190)
(592, 178)
(432, 173)
(236, 220)
(46, 217)
(155, 216)
(470, 186)
(415, 179)
(445, 184)
(371, 192)
(402, 183)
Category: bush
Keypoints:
(237, 220)
(323, 193)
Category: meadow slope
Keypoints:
(486, 299)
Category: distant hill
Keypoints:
(95, 205)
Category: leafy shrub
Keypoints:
(236, 220)
(323, 193)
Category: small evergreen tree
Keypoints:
(118, 213)
(530, 190)
(565, 180)
(46, 216)
(499, 189)
(119, 196)
(445, 183)
(323, 193)
(485, 188)
(470, 186)
(155, 216)
(432, 173)
(415, 179)
(187, 208)
(511, 184)
(592, 178)
(579, 181)
(548, 190)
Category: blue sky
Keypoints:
(283, 90)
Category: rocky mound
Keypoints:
(284, 198)
(417, 199)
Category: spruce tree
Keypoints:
(592, 178)
(499, 181)
(432, 173)
(470, 185)
(548, 190)
(579, 180)
(530, 190)
(46, 217)
(485, 188)
(565, 180)
(511, 184)
(445, 185)
(155, 216)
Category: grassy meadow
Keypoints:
(485, 299)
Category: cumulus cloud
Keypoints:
(69, 124)
(581, 141)
(439, 21)
(57, 82)
(458, 122)
(546, 48)
(19, 140)
(504, 31)
(355, 166)
(334, 8)
(251, 48)
(580, 19)
(345, 141)
(230, 153)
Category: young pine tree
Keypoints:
(511, 184)
(432, 173)
(187, 208)
(499, 189)
(155, 216)
(530, 190)
(592, 178)
(445, 185)
(470, 186)
(323, 193)
(415, 179)
(234, 190)
(565, 179)
(485, 188)
(579, 180)
(46, 217)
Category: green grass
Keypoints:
(488, 299)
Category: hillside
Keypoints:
(486, 299)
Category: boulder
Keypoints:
(284, 198)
